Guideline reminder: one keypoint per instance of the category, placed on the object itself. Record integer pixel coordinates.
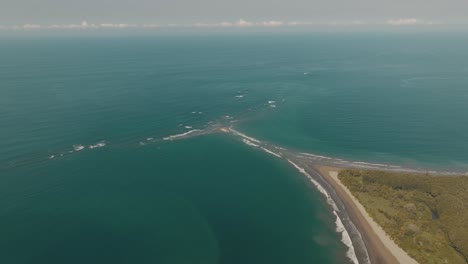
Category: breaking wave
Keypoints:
(249, 143)
(271, 152)
(346, 239)
(340, 228)
(235, 132)
(181, 135)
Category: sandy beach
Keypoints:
(381, 248)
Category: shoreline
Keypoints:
(380, 247)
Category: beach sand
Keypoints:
(381, 248)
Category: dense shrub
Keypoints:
(426, 215)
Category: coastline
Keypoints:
(380, 247)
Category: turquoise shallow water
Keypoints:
(395, 98)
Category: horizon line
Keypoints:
(241, 23)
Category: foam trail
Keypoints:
(249, 143)
(372, 164)
(271, 152)
(181, 135)
(98, 145)
(315, 156)
(346, 239)
(78, 147)
(340, 228)
(244, 136)
(317, 184)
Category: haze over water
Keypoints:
(390, 98)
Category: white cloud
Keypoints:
(239, 23)
(85, 25)
(151, 26)
(407, 22)
(243, 23)
(298, 23)
(272, 23)
(117, 26)
(31, 26)
(226, 24)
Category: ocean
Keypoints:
(93, 167)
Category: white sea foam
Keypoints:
(181, 135)
(237, 133)
(271, 102)
(340, 228)
(273, 106)
(98, 145)
(51, 157)
(188, 127)
(271, 152)
(78, 147)
(240, 96)
(317, 185)
(249, 143)
(346, 239)
(370, 164)
(315, 156)
(149, 139)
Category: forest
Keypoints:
(426, 215)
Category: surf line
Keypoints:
(181, 135)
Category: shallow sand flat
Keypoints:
(381, 248)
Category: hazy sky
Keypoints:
(213, 11)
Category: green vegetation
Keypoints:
(427, 216)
